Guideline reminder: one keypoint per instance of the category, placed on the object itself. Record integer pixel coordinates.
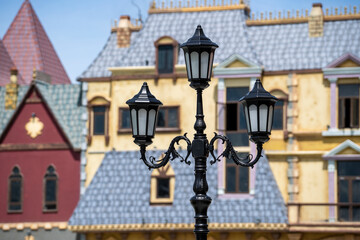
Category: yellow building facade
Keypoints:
(309, 60)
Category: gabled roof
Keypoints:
(6, 64)
(29, 47)
(120, 192)
(64, 102)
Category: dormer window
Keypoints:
(166, 55)
(162, 185)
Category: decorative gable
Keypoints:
(237, 66)
(346, 66)
(347, 149)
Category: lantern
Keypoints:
(143, 113)
(258, 105)
(199, 57)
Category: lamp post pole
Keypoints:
(258, 108)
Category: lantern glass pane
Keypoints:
(195, 64)
(142, 122)
(211, 63)
(271, 110)
(204, 64)
(151, 123)
(263, 113)
(133, 122)
(187, 61)
(253, 118)
(247, 118)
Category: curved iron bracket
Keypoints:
(170, 154)
(229, 152)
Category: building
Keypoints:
(308, 59)
(42, 135)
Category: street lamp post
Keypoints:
(258, 107)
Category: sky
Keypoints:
(78, 29)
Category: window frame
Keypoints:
(231, 163)
(282, 96)
(238, 105)
(98, 101)
(167, 128)
(165, 172)
(56, 177)
(163, 41)
(341, 101)
(121, 129)
(9, 203)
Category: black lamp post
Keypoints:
(258, 106)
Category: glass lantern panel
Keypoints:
(271, 110)
(263, 113)
(195, 64)
(187, 61)
(247, 118)
(133, 121)
(151, 123)
(253, 118)
(204, 64)
(142, 122)
(210, 63)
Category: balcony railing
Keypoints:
(323, 213)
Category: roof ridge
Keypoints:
(35, 35)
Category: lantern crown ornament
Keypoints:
(199, 57)
(259, 111)
(143, 113)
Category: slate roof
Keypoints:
(29, 46)
(120, 191)
(6, 63)
(65, 103)
(276, 47)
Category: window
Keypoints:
(99, 120)
(124, 120)
(98, 108)
(50, 190)
(278, 121)
(165, 59)
(349, 190)
(348, 105)
(236, 129)
(237, 178)
(166, 56)
(162, 185)
(15, 191)
(168, 119)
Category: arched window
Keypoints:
(50, 189)
(15, 191)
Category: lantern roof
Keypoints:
(199, 39)
(144, 97)
(258, 92)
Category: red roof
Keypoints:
(29, 47)
(5, 66)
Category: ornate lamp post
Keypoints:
(258, 106)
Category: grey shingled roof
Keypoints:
(179, 26)
(276, 47)
(289, 47)
(120, 191)
(64, 101)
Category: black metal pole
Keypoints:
(200, 152)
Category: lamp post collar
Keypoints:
(199, 39)
(258, 92)
(144, 97)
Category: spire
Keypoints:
(29, 46)
(5, 66)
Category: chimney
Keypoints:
(316, 21)
(124, 30)
(11, 90)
